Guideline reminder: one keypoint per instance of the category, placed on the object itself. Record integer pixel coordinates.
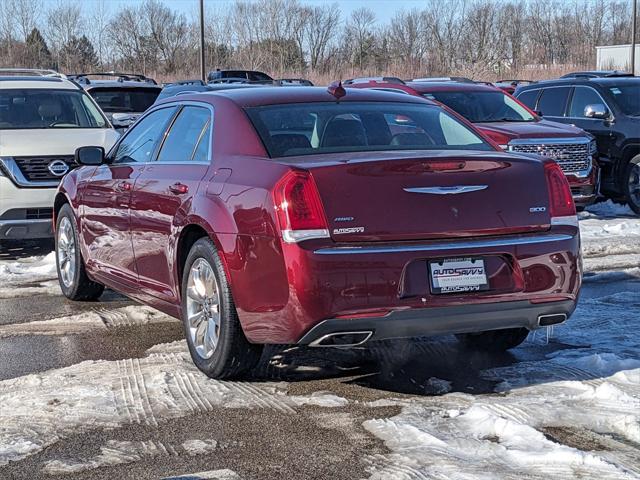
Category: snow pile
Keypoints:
(607, 209)
(573, 414)
(30, 269)
(38, 409)
(211, 475)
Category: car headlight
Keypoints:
(504, 147)
(593, 147)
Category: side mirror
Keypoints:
(122, 120)
(538, 112)
(89, 156)
(596, 110)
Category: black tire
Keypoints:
(81, 287)
(233, 355)
(631, 184)
(494, 340)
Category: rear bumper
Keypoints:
(420, 322)
(25, 229)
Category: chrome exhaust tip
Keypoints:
(551, 319)
(342, 339)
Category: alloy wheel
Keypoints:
(66, 252)
(203, 308)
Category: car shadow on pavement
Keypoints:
(13, 250)
(421, 366)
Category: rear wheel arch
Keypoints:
(189, 235)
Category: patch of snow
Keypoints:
(87, 321)
(320, 399)
(39, 409)
(31, 269)
(211, 475)
(606, 209)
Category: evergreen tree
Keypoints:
(37, 52)
(78, 54)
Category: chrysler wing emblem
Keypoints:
(446, 190)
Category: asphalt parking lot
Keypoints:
(107, 390)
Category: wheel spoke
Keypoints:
(193, 294)
(195, 319)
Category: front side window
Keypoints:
(486, 106)
(529, 97)
(553, 101)
(627, 97)
(23, 109)
(116, 100)
(141, 140)
(188, 139)
(583, 96)
(307, 129)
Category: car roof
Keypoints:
(122, 84)
(603, 81)
(253, 97)
(36, 82)
(448, 86)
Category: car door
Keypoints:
(598, 127)
(162, 198)
(552, 103)
(106, 200)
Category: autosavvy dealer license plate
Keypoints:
(458, 275)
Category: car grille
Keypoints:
(572, 157)
(39, 213)
(35, 169)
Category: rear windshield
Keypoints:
(483, 106)
(628, 98)
(307, 129)
(114, 100)
(46, 108)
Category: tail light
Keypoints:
(561, 206)
(299, 208)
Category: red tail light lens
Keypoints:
(299, 208)
(560, 199)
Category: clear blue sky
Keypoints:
(384, 9)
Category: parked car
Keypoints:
(123, 97)
(510, 86)
(238, 75)
(281, 215)
(609, 109)
(597, 74)
(518, 129)
(187, 88)
(43, 119)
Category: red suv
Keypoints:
(310, 216)
(512, 125)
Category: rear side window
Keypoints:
(189, 131)
(583, 96)
(529, 98)
(115, 100)
(141, 140)
(315, 128)
(553, 101)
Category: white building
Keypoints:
(617, 57)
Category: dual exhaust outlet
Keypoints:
(354, 339)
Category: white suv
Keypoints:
(43, 119)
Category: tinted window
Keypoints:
(114, 100)
(188, 131)
(259, 77)
(529, 98)
(141, 140)
(46, 108)
(306, 129)
(583, 96)
(627, 97)
(553, 101)
(485, 106)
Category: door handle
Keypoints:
(179, 188)
(123, 186)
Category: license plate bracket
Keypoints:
(457, 275)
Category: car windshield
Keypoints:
(314, 128)
(488, 106)
(114, 100)
(627, 97)
(46, 108)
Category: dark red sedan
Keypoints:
(306, 216)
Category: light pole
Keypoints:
(202, 66)
(633, 37)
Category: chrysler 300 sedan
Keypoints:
(317, 217)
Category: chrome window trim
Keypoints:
(445, 246)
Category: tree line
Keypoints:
(483, 39)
